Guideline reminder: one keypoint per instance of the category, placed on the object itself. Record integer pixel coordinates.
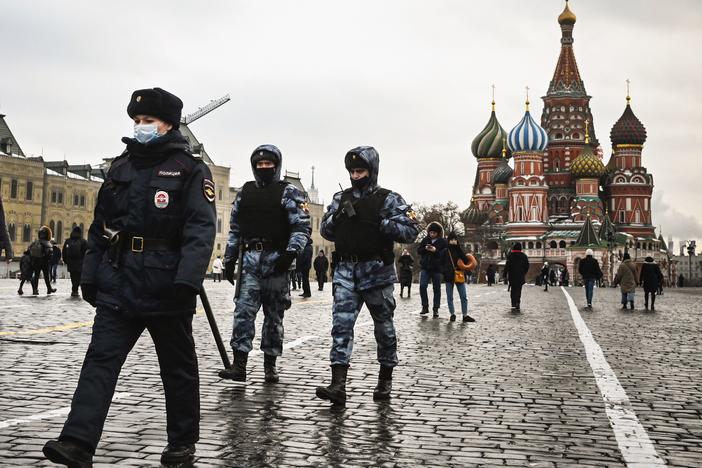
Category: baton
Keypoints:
(215, 330)
(240, 272)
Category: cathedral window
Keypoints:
(553, 244)
(13, 188)
(562, 244)
(538, 245)
(27, 233)
(622, 218)
(58, 235)
(646, 204)
(530, 245)
(12, 231)
(628, 203)
(30, 189)
(559, 136)
(576, 136)
(637, 216)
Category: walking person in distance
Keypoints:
(516, 269)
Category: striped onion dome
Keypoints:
(587, 165)
(527, 135)
(488, 143)
(502, 173)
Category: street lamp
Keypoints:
(690, 252)
(610, 246)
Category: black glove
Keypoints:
(185, 292)
(284, 261)
(89, 293)
(229, 267)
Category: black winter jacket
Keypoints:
(516, 267)
(589, 268)
(321, 264)
(431, 261)
(73, 253)
(650, 276)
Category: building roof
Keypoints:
(527, 135)
(566, 79)
(605, 228)
(195, 146)
(488, 143)
(628, 130)
(588, 236)
(7, 138)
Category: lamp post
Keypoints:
(690, 252)
(610, 246)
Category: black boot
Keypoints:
(178, 454)
(624, 306)
(237, 372)
(66, 452)
(336, 392)
(425, 310)
(436, 312)
(269, 370)
(384, 387)
(632, 304)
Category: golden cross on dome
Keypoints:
(504, 147)
(493, 96)
(587, 132)
(628, 95)
(527, 97)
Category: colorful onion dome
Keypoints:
(474, 216)
(502, 173)
(567, 17)
(587, 165)
(527, 135)
(488, 143)
(628, 130)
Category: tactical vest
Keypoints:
(261, 214)
(360, 234)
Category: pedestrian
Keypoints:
(456, 266)
(544, 276)
(406, 263)
(565, 277)
(681, 281)
(217, 267)
(303, 267)
(626, 279)
(5, 243)
(270, 222)
(142, 270)
(552, 277)
(54, 260)
(589, 269)
(321, 266)
(490, 273)
(429, 251)
(650, 278)
(516, 269)
(74, 249)
(292, 273)
(41, 251)
(363, 222)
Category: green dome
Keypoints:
(488, 143)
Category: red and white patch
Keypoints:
(161, 199)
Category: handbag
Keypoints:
(458, 276)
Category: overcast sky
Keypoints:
(318, 77)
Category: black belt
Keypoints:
(140, 244)
(261, 246)
(355, 258)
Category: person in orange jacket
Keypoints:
(456, 267)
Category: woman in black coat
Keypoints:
(516, 269)
(321, 265)
(650, 278)
(405, 261)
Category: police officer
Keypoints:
(149, 246)
(363, 222)
(270, 222)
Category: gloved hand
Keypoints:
(229, 267)
(89, 293)
(185, 292)
(284, 261)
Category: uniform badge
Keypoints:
(208, 188)
(138, 99)
(161, 199)
(304, 206)
(412, 215)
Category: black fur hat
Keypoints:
(156, 102)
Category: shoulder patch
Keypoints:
(304, 206)
(411, 214)
(208, 189)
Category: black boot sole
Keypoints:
(56, 455)
(235, 378)
(381, 396)
(324, 394)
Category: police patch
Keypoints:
(163, 173)
(161, 199)
(305, 207)
(412, 215)
(208, 189)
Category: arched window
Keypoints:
(52, 226)
(530, 245)
(58, 235)
(554, 205)
(538, 245)
(576, 136)
(12, 231)
(553, 244)
(27, 233)
(557, 164)
(562, 205)
(559, 136)
(562, 244)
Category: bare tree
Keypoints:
(447, 214)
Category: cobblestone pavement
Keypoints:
(508, 390)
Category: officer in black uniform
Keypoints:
(148, 249)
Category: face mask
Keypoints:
(146, 133)
(360, 183)
(265, 174)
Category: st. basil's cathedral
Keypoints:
(558, 198)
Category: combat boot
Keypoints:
(237, 371)
(66, 452)
(269, 370)
(436, 312)
(384, 387)
(336, 392)
(425, 310)
(632, 304)
(178, 454)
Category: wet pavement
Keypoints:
(508, 390)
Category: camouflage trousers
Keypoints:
(273, 294)
(347, 306)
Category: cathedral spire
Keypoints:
(566, 79)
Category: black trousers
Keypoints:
(306, 283)
(41, 269)
(653, 297)
(112, 340)
(321, 279)
(75, 280)
(515, 293)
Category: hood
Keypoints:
(76, 233)
(435, 226)
(371, 157)
(45, 233)
(267, 152)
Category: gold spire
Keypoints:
(493, 98)
(628, 95)
(527, 98)
(587, 132)
(504, 148)
(567, 17)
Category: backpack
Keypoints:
(36, 250)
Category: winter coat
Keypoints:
(650, 277)
(516, 267)
(304, 261)
(490, 272)
(589, 268)
(74, 252)
(431, 261)
(217, 266)
(55, 255)
(405, 262)
(321, 265)
(26, 269)
(40, 251)
(626, 276)
(5, 243)
(453, 258)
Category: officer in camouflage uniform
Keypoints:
(148, 249)
(270, 221)
(363, 222)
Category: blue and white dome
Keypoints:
(527, 136)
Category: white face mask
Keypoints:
(146, 133)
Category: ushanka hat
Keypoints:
(156, 102)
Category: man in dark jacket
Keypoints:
(544, 275)
(54, 260)
(321, 265)
(650, 278)
(149, 247)
(73, 253)
(590, 271)
(40, 252)
(430, 250)
(490, 273)
(5, 243)
(516, 269)
(303, 267)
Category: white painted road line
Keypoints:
(49, 414)
(291, 344)
(634, 444)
